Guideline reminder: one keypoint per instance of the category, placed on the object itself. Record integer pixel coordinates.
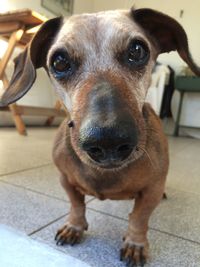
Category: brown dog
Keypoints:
(114, 147)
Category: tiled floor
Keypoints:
(31, 200)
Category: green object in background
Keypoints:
(185, 84)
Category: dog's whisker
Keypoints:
(147, 154)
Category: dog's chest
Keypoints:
(108, 194)
(113, 186)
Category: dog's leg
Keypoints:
(72, 231)
(135, 247)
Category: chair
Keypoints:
(18, 27)
(185, 84)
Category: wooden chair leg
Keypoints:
(50, 120)
(21, 128)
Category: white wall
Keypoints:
(83, 6)
(80, 6)
(100, 5)
(35, 5)
(190, 21)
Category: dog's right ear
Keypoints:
(33, 57)
(167, 32)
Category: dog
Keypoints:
(113, 147)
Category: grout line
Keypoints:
(34, 191)
(42, 194)
(48, 224)
(119, 218)
(107, 214)
(174, 235)
(181, 191)
(151, 228)
(24, 170)
(90, 200)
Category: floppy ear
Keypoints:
(167, 32)
(33, 57)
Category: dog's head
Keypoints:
(100, 65)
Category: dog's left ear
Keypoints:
(167, 32)
(32, 58)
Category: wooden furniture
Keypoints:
(18, 27)
(185, 84)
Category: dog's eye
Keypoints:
(138, 53)
(61, 65)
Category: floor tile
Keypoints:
(179, 144)
(184, 166)
(28, 211)
(178, 215)
(184, 178)
(117, 208)
(101, 244)
(22, 152)
(44, 180)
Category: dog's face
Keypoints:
(100, 65)
(107, 46)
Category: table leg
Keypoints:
(176, 128)
(50, 120)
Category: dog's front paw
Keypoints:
(69, 234)
(134, 254)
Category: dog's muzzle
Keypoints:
(108, 133)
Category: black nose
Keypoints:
(109, 145)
